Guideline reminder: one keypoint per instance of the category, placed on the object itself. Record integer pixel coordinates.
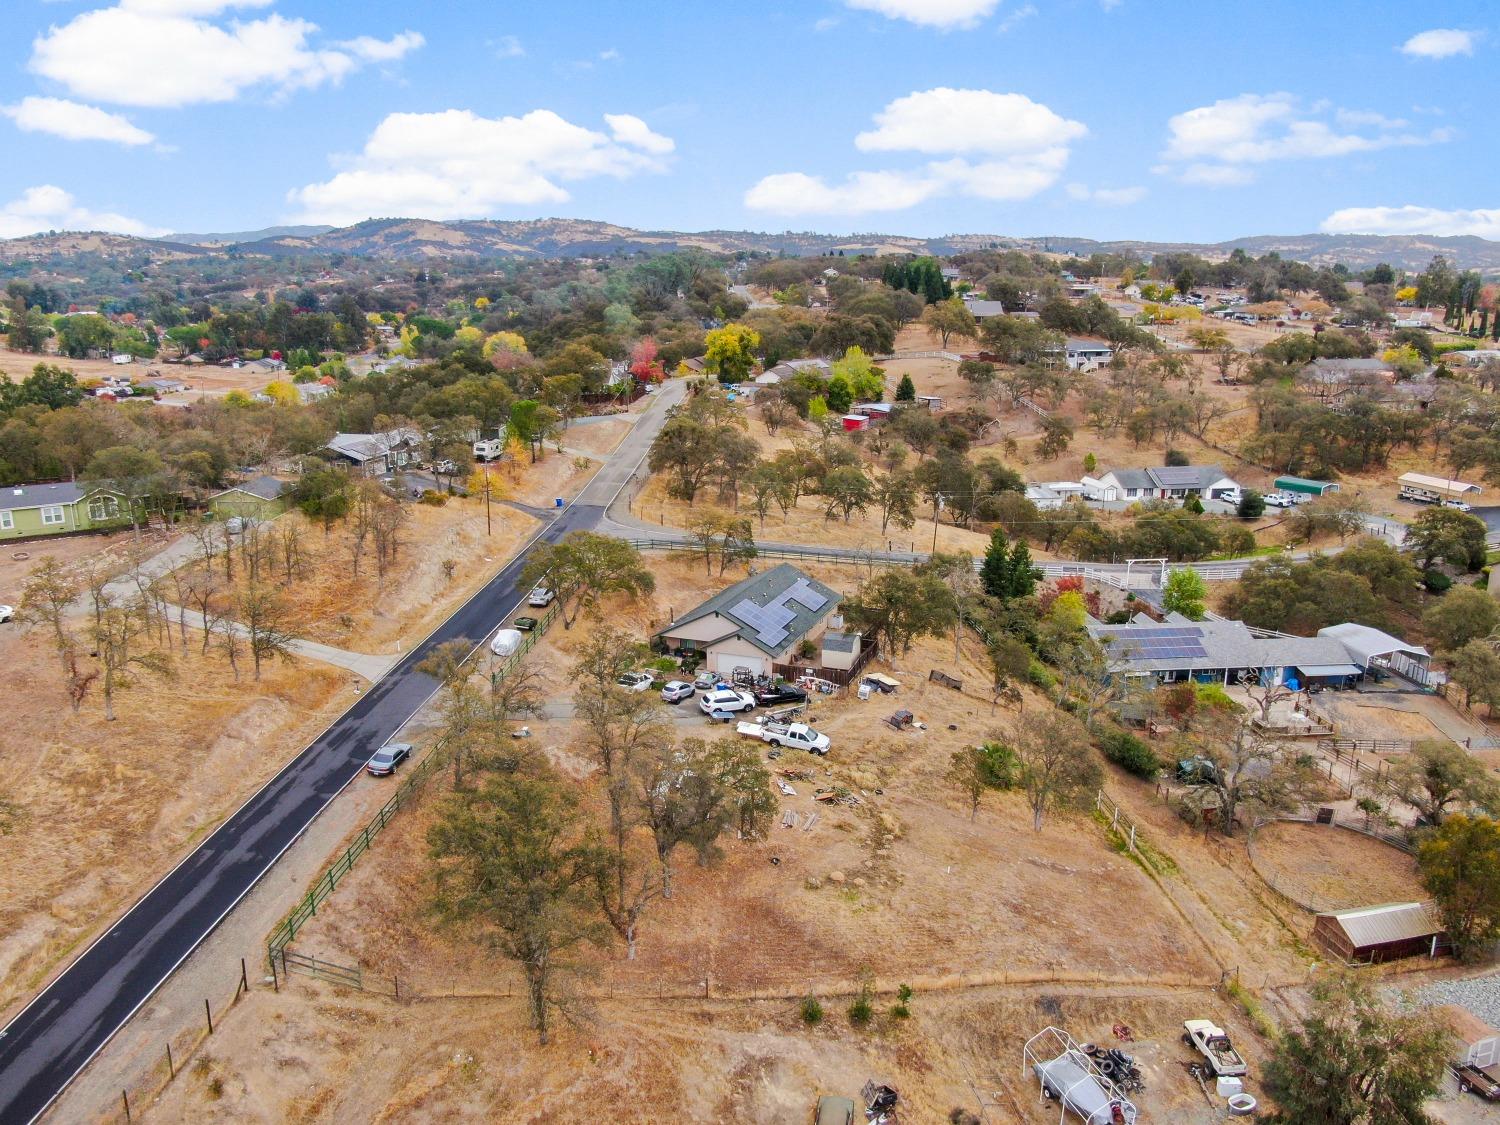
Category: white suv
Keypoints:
(540, 596)
(724, 699)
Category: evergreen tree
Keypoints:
(995, 573)
(906, 390)
(1023, 575)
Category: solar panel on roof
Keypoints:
(805, 596)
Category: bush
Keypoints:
(1176, 458)
(861, 1012)
(1436, 581)
(1001, 768)
(807, 650)
(436, 499)
(811, 1010)
(902, 1008)
(1118, 617)
(1038, 676)
(1252, 506)
(1129, 753)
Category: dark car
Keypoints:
(387, 758)
(782, 693)
(1477, 1080)
(524, 624)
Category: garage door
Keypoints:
(725, 663)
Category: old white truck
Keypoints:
(798, 735)
(1212, 1042)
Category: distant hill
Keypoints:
(419, 239)
(247, 235)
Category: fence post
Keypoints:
(125, 1097)
(244, 979)
(171, 1070)
(207, 1011)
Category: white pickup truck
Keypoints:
(1213, 1044)
(799, 735)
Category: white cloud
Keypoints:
(1020, 148)
(945, 14)
(74, 121)
(1440, 43)
(946, 120)
(1212, 144)
(456, 164)
(1016, 18)
(632, 131)
(507, 47)
(51, 208)
(1414, 220)
(1109, 197)
(167, 53)
(398, 46)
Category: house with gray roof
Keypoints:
(379, 453)
(1087, 355)
(755, 624)
(1178, 649)
(1167, 482)
(260, 498)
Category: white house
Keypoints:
(374, 454)
(1169, 482)
(1087, 355)
(754, 624)
(981, 309)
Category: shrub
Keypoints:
(807, 650)
(436, 499)
(1436, 581)
(1129, 753)
(1118, 617)
(861, 1012)
(1038, 676)
(902, 1008)
(1176, 458)
(1001, 768)
(1252, 505)
(812, 1010)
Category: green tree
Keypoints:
(1185, 592)
(976, 770)
(840, 395)
(906, 390)
(1355, 1061)
(136, 474)
(1056, 765)
(847, 491)
(949, 318)
(1252, 505)
(1448, 535)
(898, 606)
(895, 493)
(995, 571)
(512, 862)
(1461, 615)
(1460, 865)
(583, 567)
(730, 352)
(1437, 778)
(1476, 668)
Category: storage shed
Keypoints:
(1369, 934)
(1305, 486)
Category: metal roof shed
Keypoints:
(1305, 486)
(1370, 934)
(1368, 645)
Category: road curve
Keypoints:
(55, 1036)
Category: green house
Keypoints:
(263, 498)
(30, 510)
(1305, 486)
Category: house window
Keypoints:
(52, 516)
(7, 521)
(103, 507)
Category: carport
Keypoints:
(1370, 648)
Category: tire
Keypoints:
(1464, 1087)
(1187, 1040)
(774, 741)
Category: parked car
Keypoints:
(727, 700)
(387, 758)
(781, 693)
(635, 681)
(525, 624)
(707, 681)
(677, 690)
(444, 467)
(540, 596)
(1477, 1080)
(1458, 505)
(7, 613)
(1279, 499)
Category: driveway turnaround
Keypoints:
(66, 1025)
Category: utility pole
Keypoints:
(937, 507)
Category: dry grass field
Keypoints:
(109, 805)
(1335, 867)
(1000, 930)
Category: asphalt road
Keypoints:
(56, 1035)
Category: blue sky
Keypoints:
(1146, 119)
